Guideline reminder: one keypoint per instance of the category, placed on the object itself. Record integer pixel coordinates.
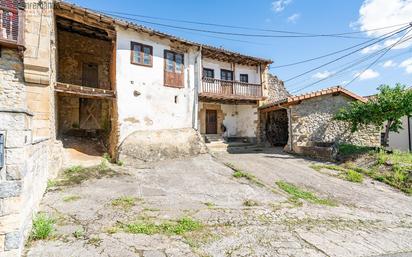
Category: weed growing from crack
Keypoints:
(237, 173)
(178, 227)
(124, 202)
(250, 203)
(43, 227)
(298, 193)
(71, 198)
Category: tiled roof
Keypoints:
(128, 24)
(327, 91)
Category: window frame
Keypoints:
(244, 75)
(179, 73)
(228, 71)
(141, 54)
(209, 70)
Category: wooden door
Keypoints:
(90, 75)
(90, 113)
(211, 122)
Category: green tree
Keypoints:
(388, 106)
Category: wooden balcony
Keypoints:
(230, 90)
(81, 91)
(11, 23)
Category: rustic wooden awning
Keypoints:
(87, 92)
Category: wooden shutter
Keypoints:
(173, 69)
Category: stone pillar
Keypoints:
(15, 125)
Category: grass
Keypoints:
(348, 149)
(71, 198)
(392, 168)
(124, 202)
(79, 233)
(354, 176)
(318, 167)
(237, 173)
(77, 174)
(209, 204)
(43, 227)
(298, 193)
(178, 227)
(250, 203)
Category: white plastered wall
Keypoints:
(144, 103)
(400, 141)
(240, 120)
(251, 71)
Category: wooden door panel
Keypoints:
(90, 75)
(211, 122)
(90, 113)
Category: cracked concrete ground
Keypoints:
(371, 219)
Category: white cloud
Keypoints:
(367, 74)
(280, 5)
(389, 64)
(407, 64)
(294, 18)
(403, 44)
(383, 13)
(322, 75)
(371, 49)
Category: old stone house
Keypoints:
(69, 74)
(304, 123)
(74, 78)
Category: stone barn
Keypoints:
(304, 124)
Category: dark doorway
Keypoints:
(90, 75)
(276, 128)
(211, 122)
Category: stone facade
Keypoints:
(27, 124)
(12, 91)
(76, 50)
(312, 122)
(276, 89)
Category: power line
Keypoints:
(362, 59)
(223, 32)
(377, 59)
(352, 64)
(327, 55)
(249, 28)
(346, 55)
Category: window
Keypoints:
(141, 54)
(244, 78)
(226, 75)
(174, 69)
(208, 73)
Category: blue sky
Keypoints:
(314, 16)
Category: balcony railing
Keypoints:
(11, 22)
(230, 89)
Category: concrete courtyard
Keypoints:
(238, 216)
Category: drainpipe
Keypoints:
(409, 134)
(289, 112)
(196, 89)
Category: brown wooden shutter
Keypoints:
(172, 76)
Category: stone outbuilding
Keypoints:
(304, 124)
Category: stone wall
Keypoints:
(312, 123)
(74, 50)
(276, 89)
(23, 179)
(12, 92)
